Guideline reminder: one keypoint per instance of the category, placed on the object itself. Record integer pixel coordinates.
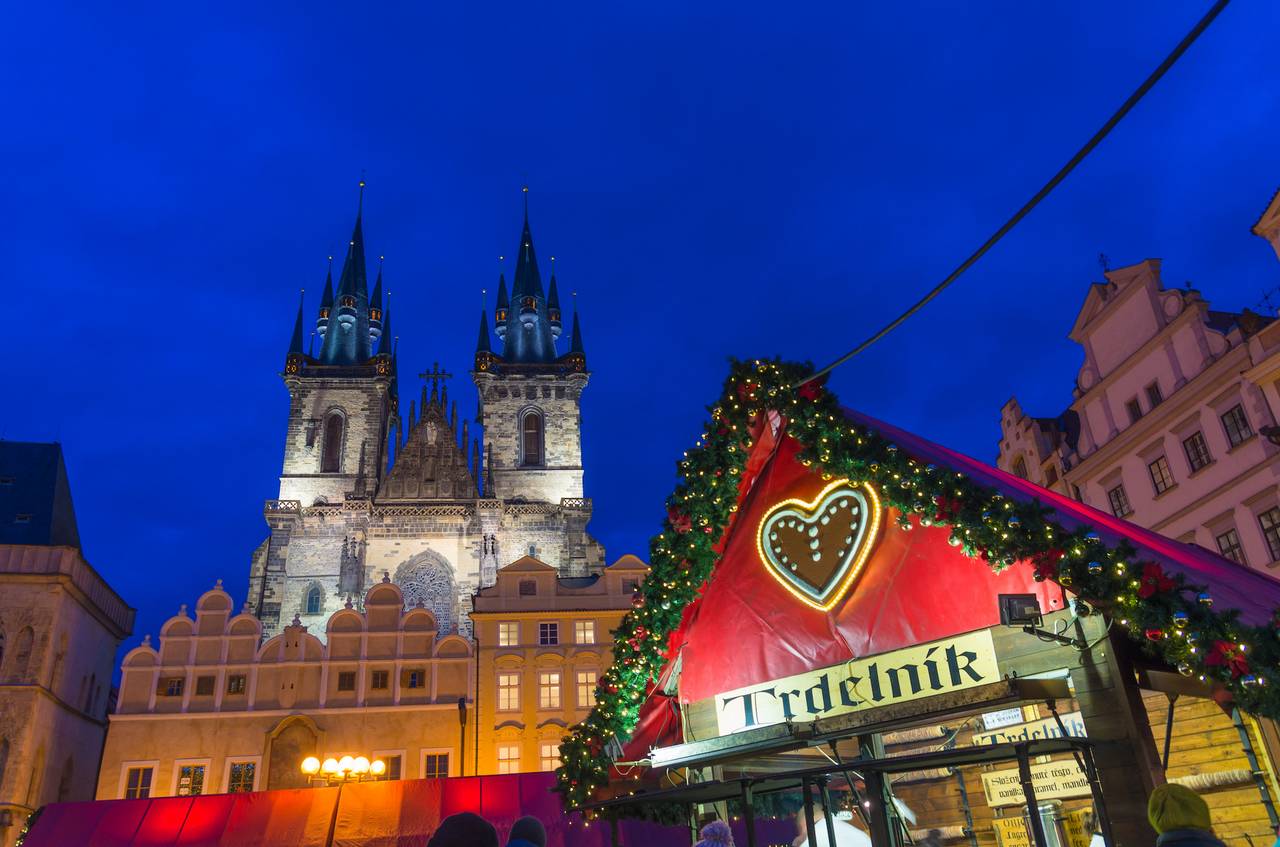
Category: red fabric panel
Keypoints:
(164, 819)
(1233, 586)
(298, 817)
(914, 588)
(396, 813)
(206, 820)
(658, 726)
(69, 823)
(119, 823)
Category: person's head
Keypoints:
(717, 833)
(1177, 807)
(528, 830)
(464, 830)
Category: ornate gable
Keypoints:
(430, 465)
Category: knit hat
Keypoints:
(716, 834)
(530, 829)
(464, 830)
(1174, 806)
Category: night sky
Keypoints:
(744, 180)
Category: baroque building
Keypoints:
(370, 488)
(1173, 419)
(60, 626)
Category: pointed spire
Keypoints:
(377, 317)
(311, 345)
(475, 466)
(349, 343)
(444, 396)
(482, 342)
(326, 301)
(295, 343)
(423, 404)
(384, 340)
(553, 302)
(575, 344)
(453, 417)
(411, 415)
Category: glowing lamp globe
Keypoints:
(361, 765)
(346, 764)
(377, 767)
(330, 766)
(310, 765)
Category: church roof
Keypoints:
(35, 496)
(526, 564)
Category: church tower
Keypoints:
(529, 395)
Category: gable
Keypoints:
(429, 465)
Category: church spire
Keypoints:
(553, 302)
(375, 306)
(482, 343)
(326, 301)
(575, 344)
(349, 342)
(504, 306)
(528, 337)
(384, 340)
(295, 343)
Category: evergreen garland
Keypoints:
(1169, 618)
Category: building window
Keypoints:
(548, 634)
(508, 634)
(1075, 492)
(1119, 502)
(630, 586)
(137, 783)
(415, 678)
(1160, 476)
(331, 458)
(1270, 523)
(1135, 410)
(508, 692)
(346, 680)
(435, 765)
(378, 680)
(394, 767)
(22, 517)
(531, 439)
(1020, 468)
(171, 686)
(1154, 397)
(584, 632)
(549, 690)
(549, 756)
(1236, 425)
(204, 686)
(1229, 545)
(528, 588)
(235, 683)
(312, 606)
(508, 758)
(240, 780)
(190, 780)
(586, 689)
(1197, 451)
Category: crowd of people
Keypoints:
(467, 829)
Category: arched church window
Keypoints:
(331, 458)
(313, 600)
(22, 652)
(531, 439)
(427, 579)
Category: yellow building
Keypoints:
(543, 641)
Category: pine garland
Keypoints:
(1172, 620)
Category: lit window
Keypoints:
(235, 683)
(415, 678)
(346, 680)
(549, 756)
(508, 692)
(548, 634)
(190, 780)
(172, 686)
(1270, 523)
(630, 586)
(1229, 545)
(549, 690)
(508, 758)
(586, 681)
(1197, 451)
(378, 680)
(137, 784)
(1119, 502)
(435, 765)
(1154, 397)
(241, 778)
(1160, 476)
(531, 439)
(1236, 425)
(204, 686)
(508, 634)
(584, 632)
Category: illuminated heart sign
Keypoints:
(816, 549)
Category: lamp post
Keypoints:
(462, 734)
(346, 769)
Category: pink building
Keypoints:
(1173, 424)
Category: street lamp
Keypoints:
(346, 769)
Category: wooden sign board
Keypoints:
(1011, 832)
(1052, 781)
(1035, 730)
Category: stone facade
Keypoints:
(213, 709)
(543, 642)
(1172, 421)
(60, 626)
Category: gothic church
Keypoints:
(368, 492)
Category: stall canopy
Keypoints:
(375, 814)
(747, 627)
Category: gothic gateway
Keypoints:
(367, 490)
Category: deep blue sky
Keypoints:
(747, 179)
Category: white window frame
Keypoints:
(179, 764)
(588, 701)
(498, 690)
(515, 642)
(256, 761)
(403, 753)
(543, 744)
(556, 688)
(125, 767)
(584, 624)
(437, 751)
(556, 624)
(499, 762)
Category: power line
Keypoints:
(1080, 155)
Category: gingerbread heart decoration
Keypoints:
(816, 549)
